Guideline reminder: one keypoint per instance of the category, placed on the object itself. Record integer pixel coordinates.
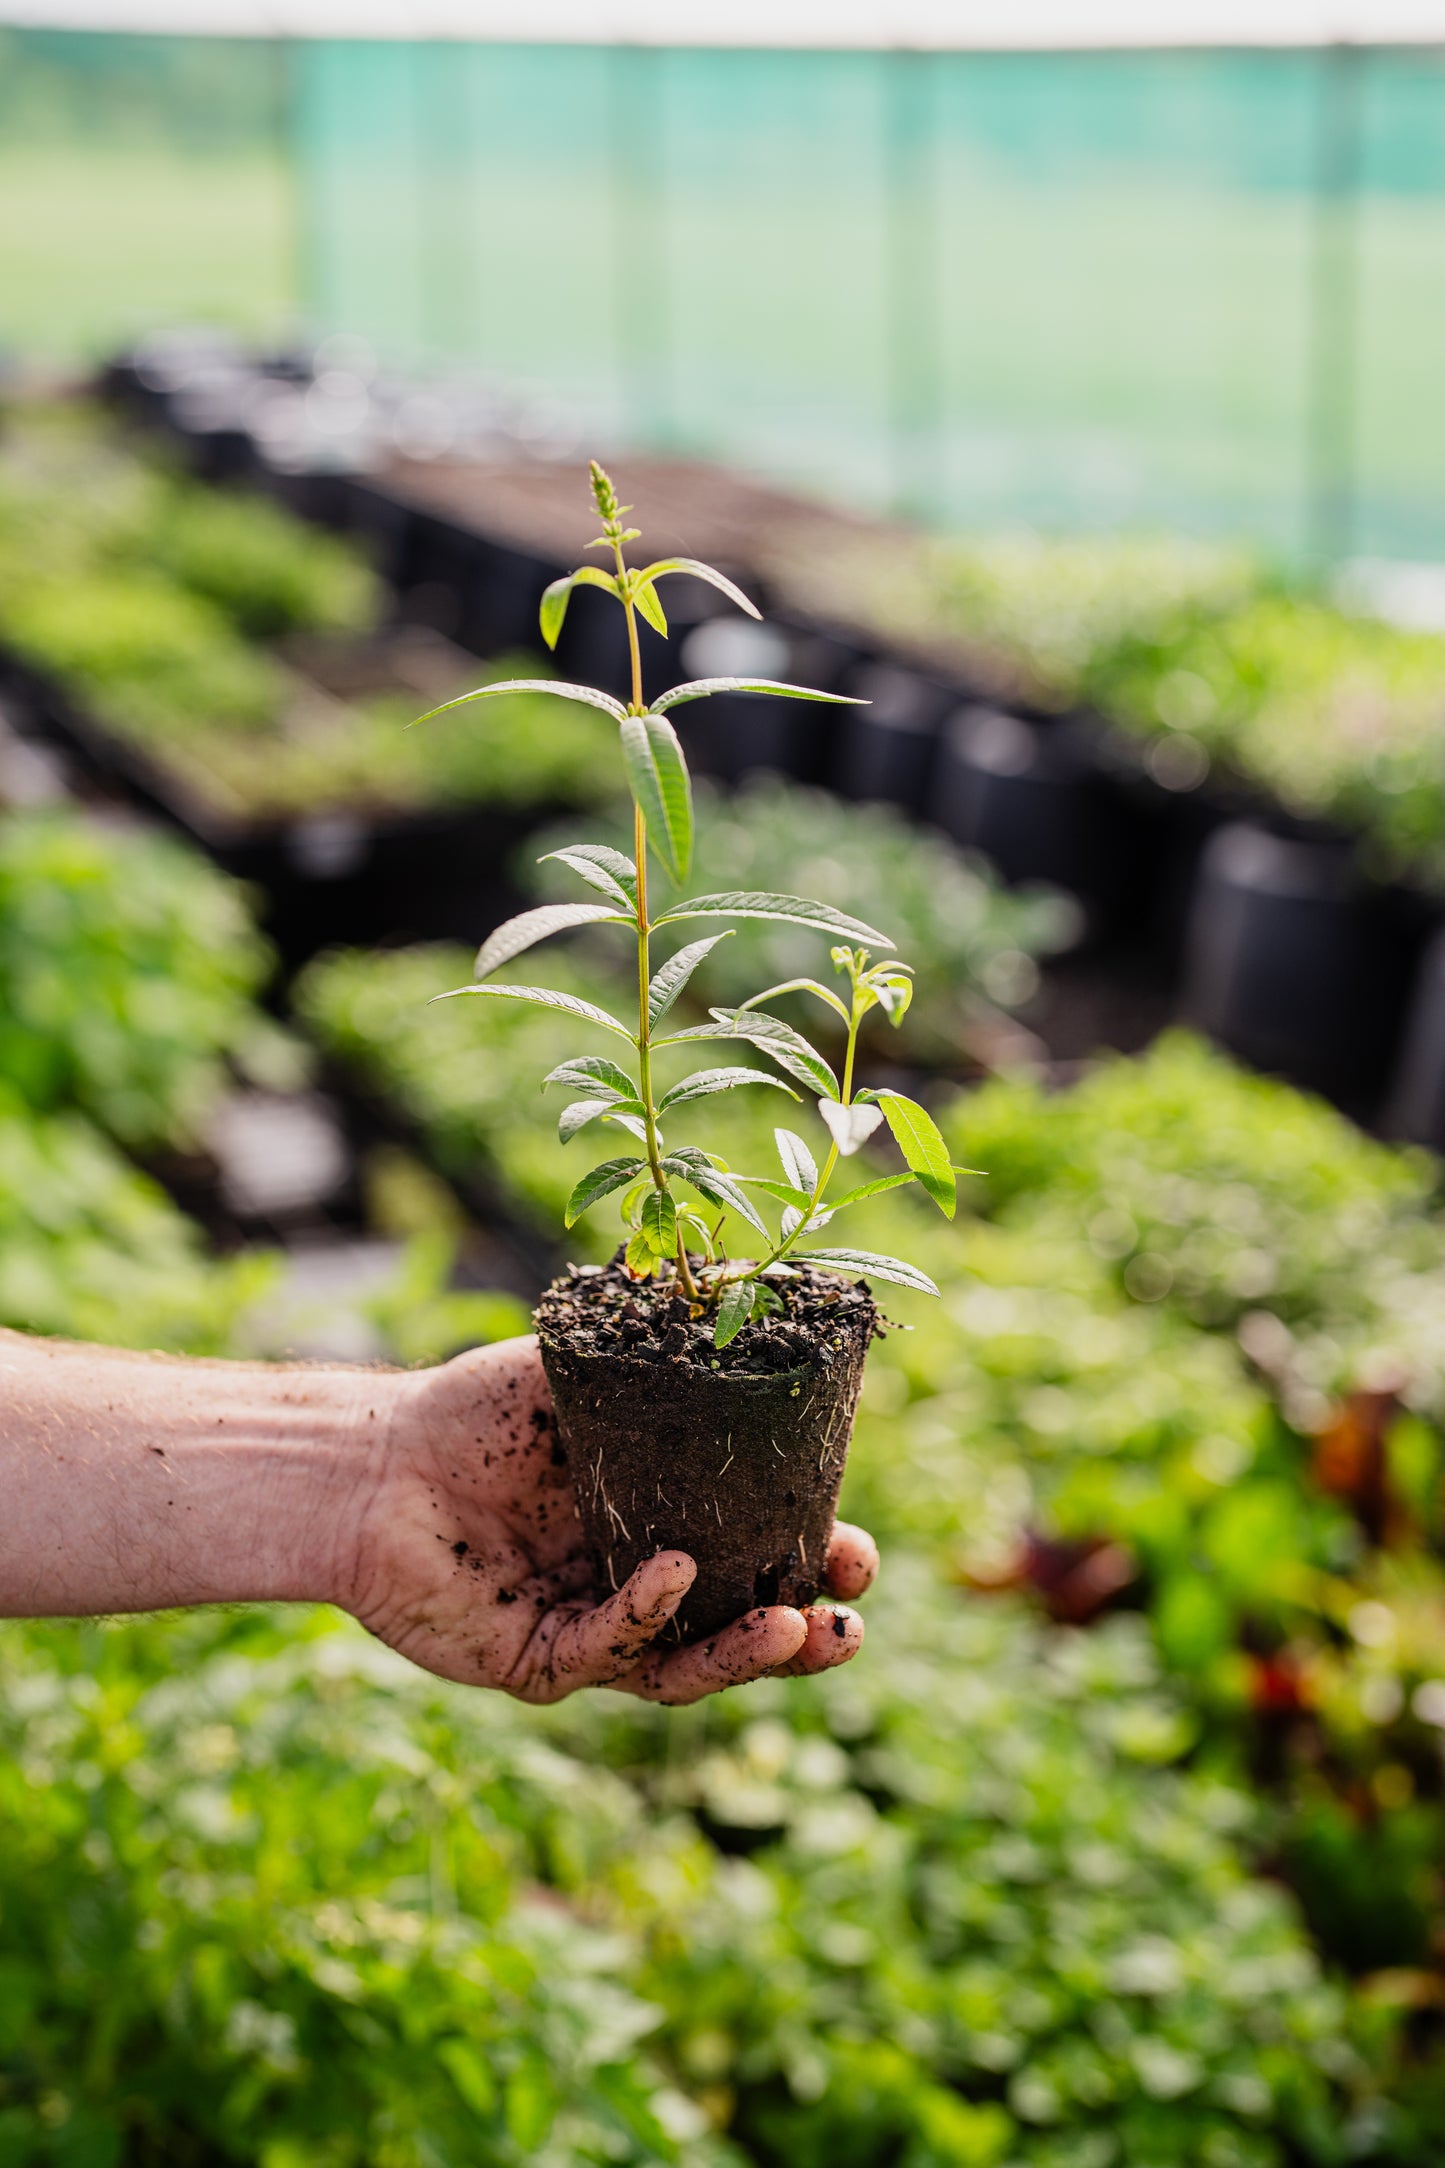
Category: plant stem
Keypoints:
(855, 1018)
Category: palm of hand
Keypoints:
(470, 1559)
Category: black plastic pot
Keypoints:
(1415, 1105)
(1031, 797)
(887, 749)
(1297, 965)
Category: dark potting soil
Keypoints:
(733, 1454)
(598, 1310)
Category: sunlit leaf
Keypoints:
(606, 870)
(639, 1257)
(659, 1222)
(696, 570)
(863, 1264)
(704, 688)
(587, 1072)
(556, 598)
(587, 696)
(611, 1174)
(792, 910)
(670, 978)
(704, 1082)
(658, 778)
(871, 1189)
(645, 597)
(720, 1189)
(916, 1134)
(800, 986)
(849, 1127)
(735, 1307)
(545, 997)
(577, 1116)
(789, 1049)
(530, 927)
(799, 1166)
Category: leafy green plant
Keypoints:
(661, 1219)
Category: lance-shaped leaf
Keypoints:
(735, 1307)
(670, 978)
(556, 598)
(800, 986)
(792, 910)
(789, 1049)
(627, 1113)
(693, 1166)
(594, 1075)
(704, 1082)
(587, 695)
(659, 1222)
(704, 688)
(658, 779)
(529, 927)
(699, 571)
(799, 1166)
(916, 1134)
(785, 1192)
(639, 1257)
(849, 1127)
(871, 1189)
(606, 870)
(545, 997)
(645, 596)
(864, 1265)
(612, 1174)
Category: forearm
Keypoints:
(132, 1482)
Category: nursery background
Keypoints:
(1074, 404)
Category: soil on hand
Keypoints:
(732, 1454)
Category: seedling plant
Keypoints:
(677, 1199)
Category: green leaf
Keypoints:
(704, 688)
(611, 1174)
(640, 1257)
(916, 1134)
(587, 1071)
(793, 910)
(658, 778)
(607, 871)
(587, 695)
(799, 1165)
(659, 1222)
(530, 927)
(735, 1307)
(785, 1192)
(849, 1127)
(670, 978)
(546, 997)
(559, 594)
(789, 1049)
(696, 570)
(801, 986)
(693, 1166)
(871, 1189)
(863, 1264)
(645, 596)
(704, 1082)
(579, 1114)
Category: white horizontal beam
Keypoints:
(930, 25)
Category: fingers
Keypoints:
(833, 1634)
(752, 1646)
(852, 1563)
(575, 1647)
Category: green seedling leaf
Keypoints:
(735, 1307)
(894, 996)
(670, 978)
(645, 596)
(639, 1257)
(801, 986)
(704, 1082)
(587, 695)
(849, 1127)
(592, 1074)
(792, 910)
(799, 1167)
(864, 1265)
(698, 571)
(658, 778)
(607, 871)
(720, 1189)
(632, 1203)
(872, 1189)
(785, 1192)
(612, 1174)
(704, 688)
(659, 1222)
(559, 594)
(916, 1134)
(789, 1049)
(529, 927)
(546, 997)
(689, 1218)
(579, 1114)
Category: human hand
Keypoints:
(468, 1557)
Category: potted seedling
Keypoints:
(706, 1380)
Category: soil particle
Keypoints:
(600, 1311)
